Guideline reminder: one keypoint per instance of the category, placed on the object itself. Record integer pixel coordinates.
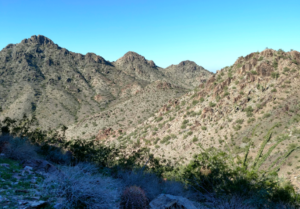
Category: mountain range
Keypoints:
(250, 108)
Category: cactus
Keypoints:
(134, 198)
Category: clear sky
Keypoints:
(212, 33)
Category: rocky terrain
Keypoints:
(250, 108)
(63, 88)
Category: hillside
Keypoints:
(60, 87)
(250, 108)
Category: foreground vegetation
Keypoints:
(213, 179)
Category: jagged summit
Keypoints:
(40, 39)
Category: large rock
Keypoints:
(41, 166)
(167, 201)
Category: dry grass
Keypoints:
(82, 187)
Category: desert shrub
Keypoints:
(55, 154)
(240, 121)
(246, 140)
(249, 111)
(159, 119)
(17, 148)
(152, 184)
(237, 127)
(275, 75)
(82, 188)
(195, 102)
(266, 115)
(195, 139)
(165, 139)
(211, 104)
(133, 198)
(226, 93)
(251, 120)
(185, 122)
(228, 179)
(183, 126)
(204, 128)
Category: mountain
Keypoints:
(187, 73)
(250, 108)
(39, 77)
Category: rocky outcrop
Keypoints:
(163, 85)
(268, 53)
(264, 69)
(103, 134)
(42, 40)
(41, 166)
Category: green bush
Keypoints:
(195, 139)
(211, 104)
(195, 102)
(159, 119)
(266, 115)
(275, 75)
(249, 111)
(240, 121)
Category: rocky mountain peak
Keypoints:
(40, 39)
(186, 62)
(130, 57)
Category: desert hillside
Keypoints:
(248, 109)
(59, 87)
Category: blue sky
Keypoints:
(212, 33)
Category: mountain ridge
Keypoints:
(62, 87)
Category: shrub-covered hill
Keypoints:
(39, 77)
(248, 109)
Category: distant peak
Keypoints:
(40, 39)
(187, 62)
(130, 57)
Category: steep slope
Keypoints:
(61, 87)
(38, 76)
(250, 108)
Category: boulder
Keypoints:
(41, 166)
(167, 201)
(37, 204)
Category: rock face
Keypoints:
(166, 201)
